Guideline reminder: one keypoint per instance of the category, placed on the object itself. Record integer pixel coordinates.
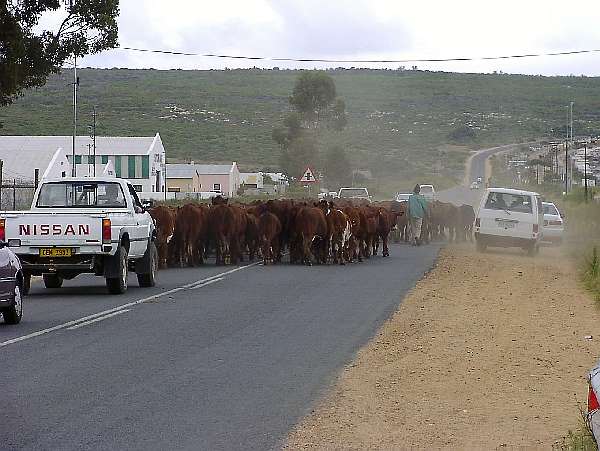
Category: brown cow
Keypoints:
(338, 231)
(222, 230)
(189, 236)
(353, 248)
(164, 218)
(311, 233)
(269, 230)
(252, 235)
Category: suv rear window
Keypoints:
(520, 203)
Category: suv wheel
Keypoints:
(13, 314)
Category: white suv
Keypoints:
(509, 218)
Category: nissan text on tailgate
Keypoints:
(83, 225)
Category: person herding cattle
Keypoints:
(417, 208)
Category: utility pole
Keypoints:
(571, 105)
(585, 170)
(92, 129)
(566, 168)
(75, 86)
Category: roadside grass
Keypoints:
(580, 439)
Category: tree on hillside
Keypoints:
(315, 99)
(28, 56)
(315, 103)
(337, 166)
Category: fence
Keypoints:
(16, 194)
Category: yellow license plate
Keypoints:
(56, 252)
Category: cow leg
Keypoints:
(386, 251)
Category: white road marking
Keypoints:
(195, 287)
(102, 318)
(124, 306)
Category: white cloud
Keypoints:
(360, 29)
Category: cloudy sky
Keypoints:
(360, 29)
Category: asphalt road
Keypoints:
(463, 194)
(213, 359)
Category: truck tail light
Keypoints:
(592, 400)
(536, 228)
(2, 229)
(106, 231)
(478, 222)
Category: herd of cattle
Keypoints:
(311, 232)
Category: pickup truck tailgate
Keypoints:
(37, 230)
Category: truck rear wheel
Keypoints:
(118, 285)
(52, 280)
(26, 284)
(149, 279)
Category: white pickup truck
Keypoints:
(83, 225)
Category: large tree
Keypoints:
(315, 104)
(315, 99)
(29, 55)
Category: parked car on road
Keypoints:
(11, 285)
(354, 193)
(553, 224)
(428, 192)
(402, 197)
(509, 218)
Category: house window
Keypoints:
(174, 189)
(104, 159)
(77, 159)
(217, 187)
(145, 166)
(131, 166)
(64, 174)
(118, 166)
(138, 188)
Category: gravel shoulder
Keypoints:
(487, 351)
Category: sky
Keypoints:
(358, 29)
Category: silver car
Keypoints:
(554, 226)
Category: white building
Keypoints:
(140, 160)
(252, 179)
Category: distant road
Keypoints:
(476, 167)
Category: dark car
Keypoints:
(12, 286)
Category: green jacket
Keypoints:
(417, 205)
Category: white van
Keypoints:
(509, 218)
(428, 192)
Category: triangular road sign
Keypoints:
(308, 176)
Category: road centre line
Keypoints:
(124, 306)
(195, 287)
(102, 318)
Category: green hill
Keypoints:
(402, 125)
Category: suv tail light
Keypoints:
(478, 222)
(2, 229)
(536, 228)
(106, 231)
(592, 400)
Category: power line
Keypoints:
(325, 60)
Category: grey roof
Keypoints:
(105, 145)
(187, 171)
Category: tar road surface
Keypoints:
(209, 359)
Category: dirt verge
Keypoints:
(488, 351)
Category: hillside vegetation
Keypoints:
(402, 125)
